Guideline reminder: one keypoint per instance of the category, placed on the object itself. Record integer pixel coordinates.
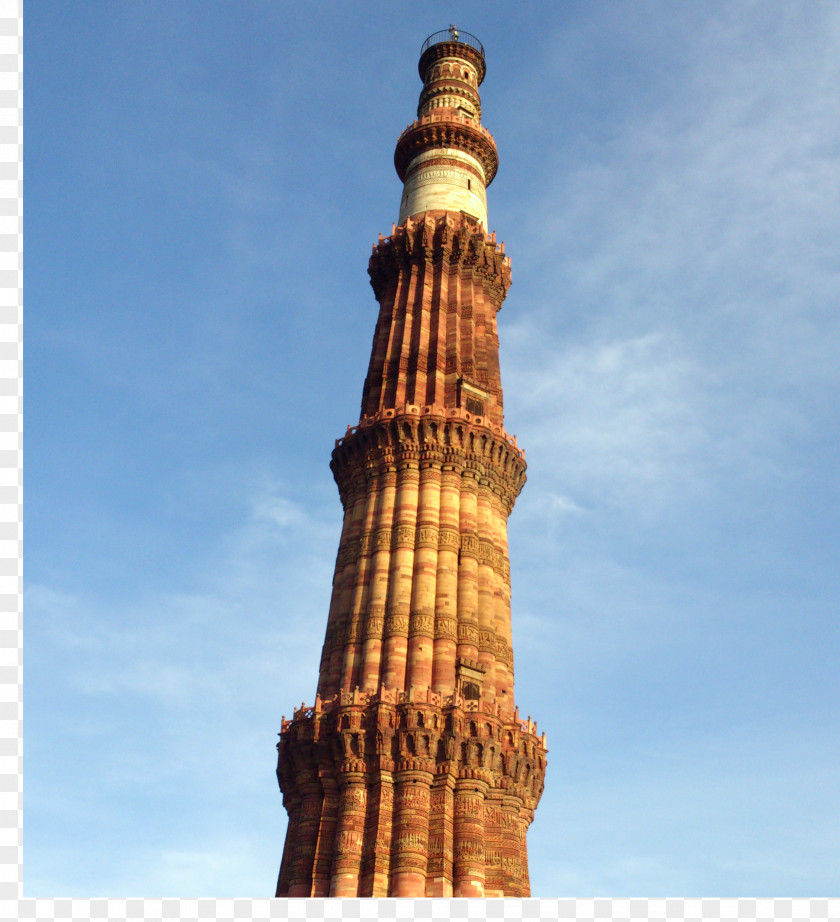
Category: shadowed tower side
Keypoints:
(413, 774)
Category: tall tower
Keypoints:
(413, 774)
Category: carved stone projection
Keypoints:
(413, 774)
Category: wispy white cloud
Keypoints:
(617, 421)
(689, 337)
(281, 511)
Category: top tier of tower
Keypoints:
(446, 159)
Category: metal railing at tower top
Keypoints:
(453, 35)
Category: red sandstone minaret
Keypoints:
(413, 774)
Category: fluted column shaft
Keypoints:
(400, 573)
(486, 590)
(422, 616)
(352, 661)
(446, 593)
(347, 565)
(350, 834)
(378, 595)
(381, 874)
(511, 854)
(306, 838)
(410, 844)
(322, 863)
(468, 600)
(439, 871)
(494, 880)
(469, 837)
(501, 608)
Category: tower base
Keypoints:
(408, 794)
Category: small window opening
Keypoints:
(476, 407)
(470, 691)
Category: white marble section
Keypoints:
(444, 186)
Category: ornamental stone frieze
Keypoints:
(454, 241)
(436, 439)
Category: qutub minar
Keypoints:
(413, 774)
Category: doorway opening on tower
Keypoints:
(469, 679)
(472, 398)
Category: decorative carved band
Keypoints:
(374, 623)
(430, 132)
(348, 552)
(487, 642)
(332, 639)
(446, 628)
(469, 546)
(444, 161)
(411, 841)
(468, 633)
(422, 622)
(435, 237)
(452, 50)
(449, 539)
(403, 536)
(411, 796)
(396, 624)
(354, 630)
(472, 454)
(485, 553)
(427, 536)
(348, 843)
(468, 803)
(504, 653)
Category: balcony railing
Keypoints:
(453, 35)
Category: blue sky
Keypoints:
(204, 181)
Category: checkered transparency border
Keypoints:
(12, 904)
(235, 910)
(11, 487)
